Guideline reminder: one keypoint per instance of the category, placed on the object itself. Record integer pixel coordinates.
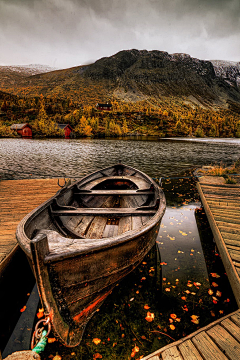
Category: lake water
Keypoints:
(181, 285)
(74, 158)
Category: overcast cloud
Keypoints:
(65, 33)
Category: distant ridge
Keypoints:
(132, 75)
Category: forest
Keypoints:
(167, 117)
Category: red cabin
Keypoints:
(67, 129)
(106, 106)
(24, 130)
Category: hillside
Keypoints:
(133, 75)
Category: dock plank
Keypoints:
(18, 198)
(189, 351)
(171, 354)
(225, 341)
(207, 348)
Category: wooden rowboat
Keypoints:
(87, 237)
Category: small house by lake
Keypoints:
(66, 128)
(24, 130)
(106, 106)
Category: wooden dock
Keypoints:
(222, 205)
(19, 197)
(219, 340)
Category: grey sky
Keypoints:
(65, 33)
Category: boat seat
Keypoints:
(114, 192)
(105, 211)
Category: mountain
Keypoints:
(229, 71)
(134, 75)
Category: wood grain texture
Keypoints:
(225, 341)
(171, 354)
(18, 198)
(189, 351)
(207, 348)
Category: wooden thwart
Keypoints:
(104, 212)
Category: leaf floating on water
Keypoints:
(172, 327)
(214, 284)
(195, 319)
(183, 298)
(40, 313)
(173, 316)
(97, 356)
(163, 263)
(210, 291)
(215, 275)
(167, 289)
(187, 291)
(218, 293)
(57, 357)
(197, 284)
(96, 341)
(149, 317)
(212, 313)
(23, 308)
(146, 307)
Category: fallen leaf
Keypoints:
(146, 307)
(218, 293)
(183, 298)
(172, 327)
(40, 313)
(96, 341)
(57, 357)
(214, 284)
(23, 308)
(97, 356)
(173, 316)
(195, 319)
(215, 275)
(51, 340)
(210, 291)
(149, 317)
(167, 289)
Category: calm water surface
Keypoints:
(181, 284)
(42, 158)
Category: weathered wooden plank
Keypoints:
(231, 247)
(234, 255)
(171, 354)
(114, 192)
(110, 231)
(236, 318)
(229, 230)
(96, 228)
(188, 351)
(231, 242)
(206, 347)
(125, 224)
(227, 235)
(228, 225)
(232, 328)
(104, 211)
(225, 341)
(155, 357)
(226, 220)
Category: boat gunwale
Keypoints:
(100, 244)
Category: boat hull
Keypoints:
(74, 276)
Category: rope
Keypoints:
(41, 344)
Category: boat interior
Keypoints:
(105, 204)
